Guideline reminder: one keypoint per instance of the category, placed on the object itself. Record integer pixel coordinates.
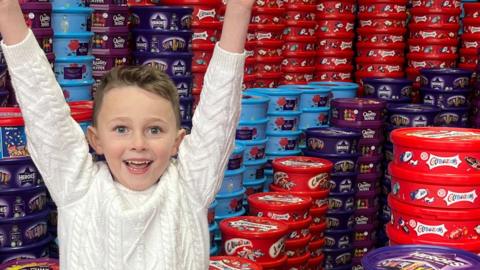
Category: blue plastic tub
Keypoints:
(235, 160)
(283, 121)
(73, 68)
(229, 203)
(254, 107)
(316, 117)
(281, 99)
(254, 170)
(251, 130)
(339, 89)
(254, 150)
(268, 181)
(72, 44)
(312, 96)
(68, 3)
(77, 91)
(283, 141)
(71, 20)
(232, 181)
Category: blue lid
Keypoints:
(239, 148)
(255, 162)
(74, 35)
(285, 113)
(337, 85)
(420, 257)
(74, 59)
(74, 10)
(284, 153)
(213, 250)
(231, 194)
(305, 88)
(213, 204)
(213, 227)
(236, 214)
(387, 80)
(253, 122)
(253, 99)
(255, 182)
(74, 83)
(275, 91)
(284, 133)
(412, 108)
(446, 71)
(333, 132)
(317, 109)
(252, 142)
(268, 172)
(235, 172)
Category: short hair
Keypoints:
(147, 78)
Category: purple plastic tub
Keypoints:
(37, 15)
(109, 16)
(105, 60)
(332, 140)
(341, 163)
(365, 200)
(365, 232)
(19, 203)
(365, 217)
(174, 64)
(17, 232)
(342, 182)
(2, 58)
(367, 182)
(338, 239)
(387, 88)
(235, 160)
(360, 248)
(110, 38)
(3, 76)
(186, 108)
(338, 259)
(370, 147)
(357, 109)
(161, 41)
(412, 115)
(18, 173)
(475, 106)
(445, 99)
(161, 17)
(108, 2)
(447, 79)
(340, 220)
(25, 264)
(33, 251)
(369, 164)
(368, 129)
(341, 201)
(184, 85)
(476, 122)
(452, 117)
(44, 38)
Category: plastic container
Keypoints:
(338, 239)
(342, 182)
(380, 65)
(434, 31)
(334, 73)
(254, 149)
(72, 44)
(297, 75)
(336, 23)
(174, 64)
(37, 15)
(344, 201)
(229, 204)
(436, 4)
(452, 117)
(18, 173)
(280, 206)
(110, 38)
(319, 197)
(22, 231)
(345, 163)
(232, 263)
(385, 6)
(280, 99)
(22, 202)
(314, 117)
(47, 264)
(298, 248)
(283, 121)
(446, 99)
(357, 109)
(446, 79)
(470, 25)
(262, 15)
(71, 20)
(154, 41)
(338, 259)
(265, 32)
(428, 61)
(387, 88)
(205, 32)
(77, 91)
(339, 89)
(282, 141)
(296, 59)
(335, 41)
(254, 170)
(332, 140)
(44, 38)
(340, 220)
(433, 46)
(412, 115)
(251, 130)
(382, 20)
(312, 96)
(161, 17)
(330, 6)
(334, 57)
(74, 69)
(374, 35)
(294, 44)
(232, 181)
(383, 50)
(370, 147)
(109, 16)
(183, 84)
(435, 15)
(36, 250)
(105, 60)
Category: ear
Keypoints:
(178, 140)
(94, 140)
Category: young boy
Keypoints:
(141, 209)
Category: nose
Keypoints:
(138, 142)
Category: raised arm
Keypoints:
(204, 153)
(55, 141)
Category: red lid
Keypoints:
(298, 69)
(214, 3)
(206, 24)
(431, 56)
(199, 68)
(398, 31)
(433, 213)
(301, 7)
(337, 53)
(257, 227)
(471, 6)
(268, 59)
(471, 21)
(232, 263)
(274, 264)
(279, 201)
(310, 24)
(438, 138)
(365, 74)
(11, 116)
(318, 228)
(441, 41)
(370, 2)
(203, 47)
(468, 51)
(85, 105)
(440, 26)
(316, 244)
(301, 164)
(249, 78)
(470, 36)
(301, 39)
(296, 243)
(347, 36)
(314, 194)
(316, 212)
(338, 16)
(302, 54)
(268, 43)
(380, 60)
(381, 15)
(429, 11)
(267, 27)
(339, 68)
(81, 115)
(380, 45)
(296, 261)
(300, 224)
(472, 66)
(315, 262)
(196, 91)
(264, 10)
(269, 75)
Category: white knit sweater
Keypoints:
(98, 227)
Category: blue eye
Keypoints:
(155, 130)
(120, 129)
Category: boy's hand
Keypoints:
(235, 25)
(12, 24)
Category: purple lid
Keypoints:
(107, 7)
(111, 52)
(42, 32)
(364, 103)
(412, 108)
(387, 80)
(333, 132)
(420, 257)
(357, 124)
(447, 71)
(36, 6)
(110, 30)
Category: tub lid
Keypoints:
(74, 10)
(333, 132)
(357, 124)
(315, 194)
(193, 2)
(438, 138)
(400, 174)
(361, 103)
(420, 256)
(239, 148)
(165, 7)
(308, 89)
(275, 91)
(44, 264)
(11, 116)
(274, 264)
(253, 99)
(285, 113)
(398, 31)
(337, 85)
(106, 7)
(372, 80)
(251, 226)
(252, 142)
(232, 263)
(294, 262)
(74, 59)
(73, 35)
(240, 171)
(36, 5)
(303, 164)
(412, 108)
(279, 201)
(446, 71)
(252, 122)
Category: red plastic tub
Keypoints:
(316, 263)
(380, 65)
(319, 198)
(382, 20)
(268, 64)
(443, 226)
(297, 247)
(279, 206)
(267, 79)
(316, 248)
(299, 44)
(390, 35)
(266, 32)
(430, 190)
(471, 25)
(300, 12)
(269, 3)
(335, 41)
(383, 6)
(426, 60)
(202, 53)
(300, 28)
(267, 48)
(336, 23)
(413, 74)
(297, 75)
(325, 7)
(382, 50)
(472, 10)
(261, 15)
(433, 46)
(436, 3)
(469, 56)
(334, 73)
(469, 41)
(299, 229)
(434, 31)
(203, 10)
(231, 262)
(278, 264)
(207, 32)
(435, 15)
(334, 58)
(299, 263)
(298, 59)
(254, 238)
(302, 173)
(437, 150)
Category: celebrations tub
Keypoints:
(280, 206)
(232, 263)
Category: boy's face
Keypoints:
(136, 132)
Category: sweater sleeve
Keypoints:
(204, 153)
(55, 141)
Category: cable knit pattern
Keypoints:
(97, 227)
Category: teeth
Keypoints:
(137, 162)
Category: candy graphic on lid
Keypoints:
(232, 263)
(302, 173)
(280, 206)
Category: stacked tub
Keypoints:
(433, 37)
(110, 37)
(381, 55)
(72, 43)
(300, 177)
(435, 187)
(470, 39)
(450, 90)
(162, 39)
(298, 67)
(335, 34)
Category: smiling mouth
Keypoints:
(137, 167)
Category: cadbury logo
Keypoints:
(437, 259)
